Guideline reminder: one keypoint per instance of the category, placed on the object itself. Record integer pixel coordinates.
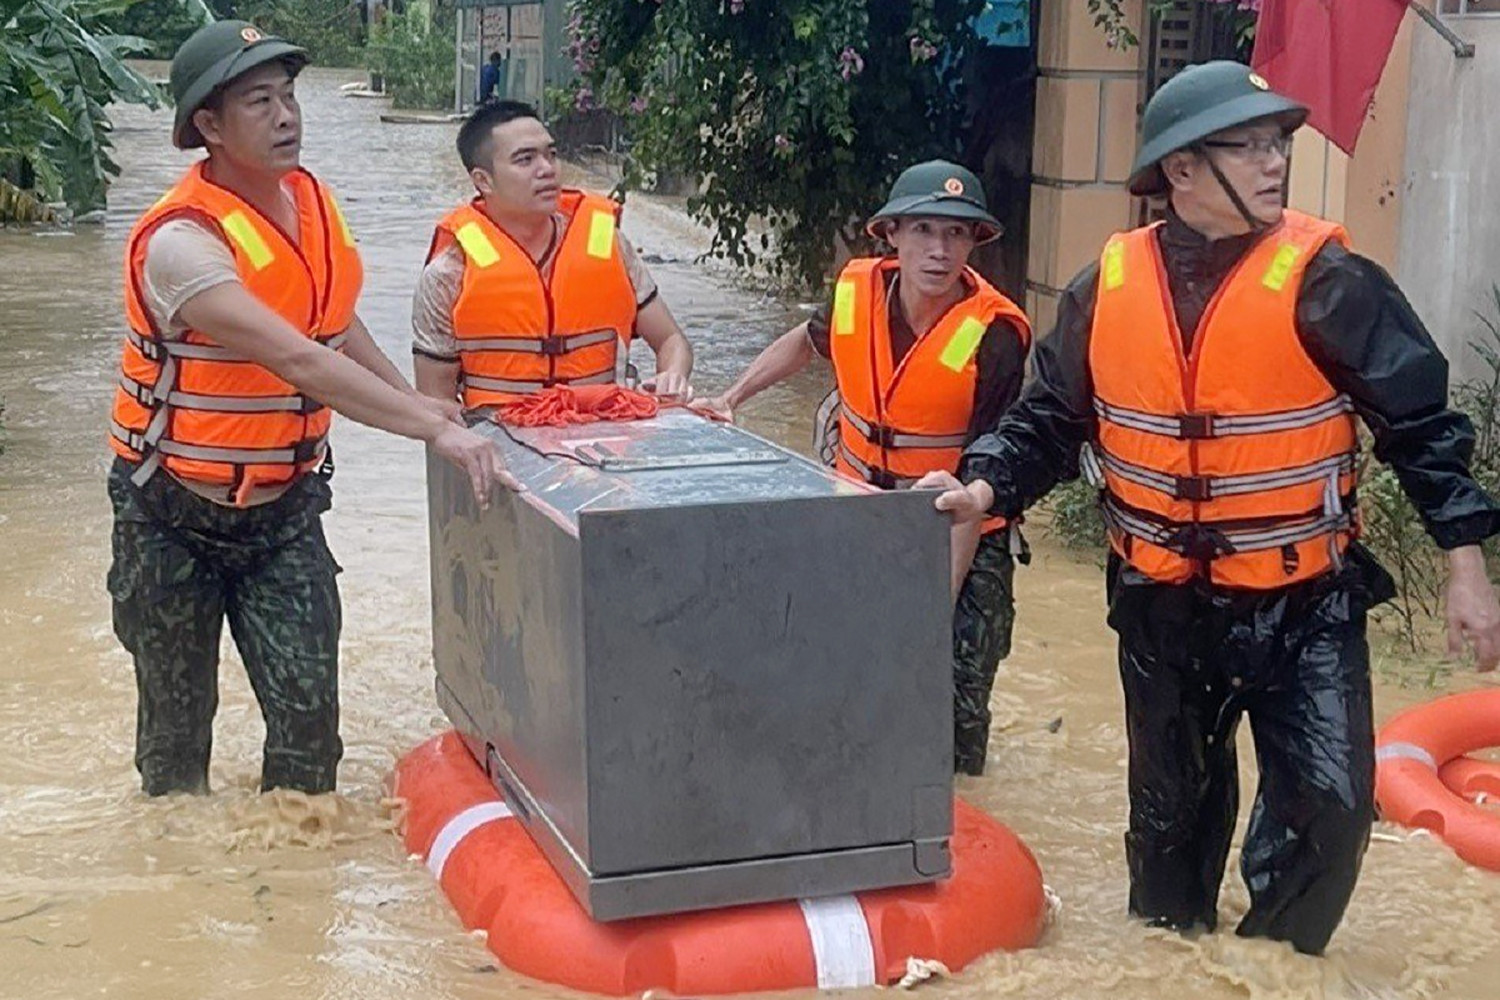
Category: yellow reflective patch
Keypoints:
(843, 308)
(1281, 266)
(1114, 265)
(602, 235)
(338, 213)
(242, 231)
(477, 245)
(963, 344)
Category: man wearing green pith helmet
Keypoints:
(1215, 364)
(242, 340)
(927, 355)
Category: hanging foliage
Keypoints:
(60, 67)
(793, 116)
(1115, 21)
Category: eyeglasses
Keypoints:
(1255, 148)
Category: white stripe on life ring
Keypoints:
(840, 940)
(459, 827)
(1407, 751)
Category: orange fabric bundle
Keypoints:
(562, 405)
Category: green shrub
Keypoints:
(1073, 516)
(414, 58)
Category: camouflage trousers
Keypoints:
(182, 565)
(982, 622)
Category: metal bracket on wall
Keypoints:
(1461, 48)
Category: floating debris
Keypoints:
(920, 970)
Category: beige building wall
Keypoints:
(1085, 137)
(1450, 235)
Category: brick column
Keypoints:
(1086, 101)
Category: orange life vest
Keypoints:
(207, 414)
(899, 421)
(1236, 460)
(518, 332)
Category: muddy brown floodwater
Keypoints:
(103, 892)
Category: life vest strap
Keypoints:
(1204, 426)
(546, 346)
(299, 454)
(159, 349)
(146, 396)
(1201, 489)
(888, 437)
(1204, 540)
(534, 385)
(882, 478)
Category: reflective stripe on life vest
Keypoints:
(1204, 488)
(303, 451)
(875, 477)
(540, 345)
(522, 387)
(1226, 540)
(886, 437)
(1198, 426)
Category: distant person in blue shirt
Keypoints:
(489, 78)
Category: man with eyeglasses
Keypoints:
(1215, 363)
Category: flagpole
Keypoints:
(1461, 48)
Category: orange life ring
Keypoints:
(1471, 777)
(1419, 758)
(499, 882)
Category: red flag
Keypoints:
(1329, 55)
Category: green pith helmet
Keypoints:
(937, 188)
(1198, 102)
(212, 57)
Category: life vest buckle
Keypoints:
(881, 436)
(1194, 488)
(554, 347)
(1195, 426)
(882, 478)
(143, 394)
(1200, 543)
